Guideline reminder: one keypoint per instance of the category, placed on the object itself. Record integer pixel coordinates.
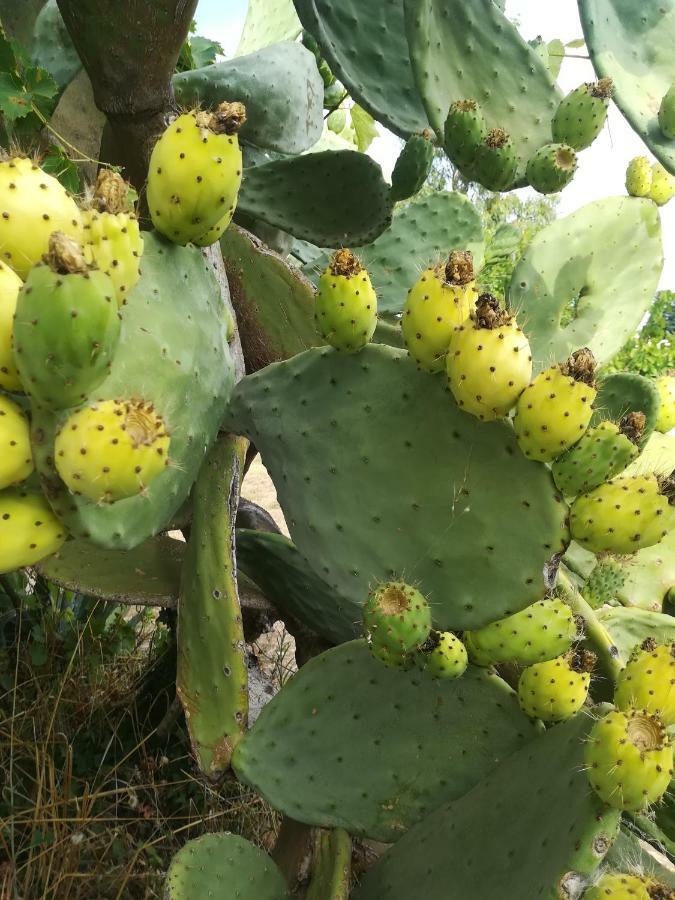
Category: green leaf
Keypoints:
(364, 126)
(577, 42)
(56, 163)
(556, 54)
(204, 51)
(15, 102)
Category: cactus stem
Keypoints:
(605, 649)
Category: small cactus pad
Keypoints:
(396, 616)
(16, 457)
(195, 172)
(639, 177)
(227, 864)
(624, 38)
(29, 530)
(296, 413)
(629, 627)
(581, 115)
(268, 22)
(503, 816)
(649, 575)
(513, 85)
(607, 258)
(665, 385)
(33, 205)
(442, 655)
(345, 714)
(346, 304)
(412, 166)
(10, 285)
(648, 681)
(602, 453)
(489, 362)
(629, 759)
(537, 633)
(556, 689)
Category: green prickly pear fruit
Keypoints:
(111, 449)
(489, 362)
(442, 655)
(112, 239)
(663, 185)
(602, 453)
(441, 299)
(625, 514)
(33, 205)
(639, 177)
(629, 759)
(10, 285)
(582, 113)
(537, 633)
(29, 530)
(337, 120)
(667, 113)
(604, 583)
(195, 172)
(556, 690)
(665, 385)
(412, 166)
(465, 128)
(648, 681)
(397, 617)
(551, 168)
(66, 327)
(496, 162)
(346, 304)
(16, 457)
(554, 411)
(619, 886)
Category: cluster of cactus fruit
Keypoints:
(477, 513)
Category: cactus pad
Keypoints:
(412, 167)
(339, 715)
(603, 451)
(624, 393)
(268, 22)
(631, 627)
(296, 413)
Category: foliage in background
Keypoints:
(652, 351)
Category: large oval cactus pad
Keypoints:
(379, 474)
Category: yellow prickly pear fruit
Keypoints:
(619, 886)
(665, 385)
(663, 185)
(553, 412)
(10, 285)
(112, 238)
(29, 530)
(489, 361)
(441, 299)
(16, 458)
(639, 177)
(111, 450)
(214, 233)
(443, 656)
(195, 173)
(346, 304)
(32, 206)
(648, 681)
(556, 689)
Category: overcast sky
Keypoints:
(602, 167)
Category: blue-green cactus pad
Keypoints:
(52, 47)
(280, 87)
(608, 257)
(632, 43)
(349, 742)
(471, 51)
(629, 627)
(626, 392)
(267, 22)
(531, 829)
(380, 475)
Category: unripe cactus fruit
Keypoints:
(397, 617)
(16, 457)
(489, 363)
(665, 385)
(582, 113)
(648, 681)
(496, 162)
(604, 582)
(441, 299)
(33, 205)
(663, 185)
(535, 634)
(442, 655)
(619, 886)
(629, 759)
(602, 453)
(10, 285)
(346, 305)
(667, 113)
(66, 327)
(112, 239)
(625, 514)
(412, 166)
(639, 177)
(111, 449)
(195, 172)
(465, 128)
(553, 412)
(556, 689)
(551, 168)
(337, 120)
(29, 530)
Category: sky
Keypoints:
(602, 166)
